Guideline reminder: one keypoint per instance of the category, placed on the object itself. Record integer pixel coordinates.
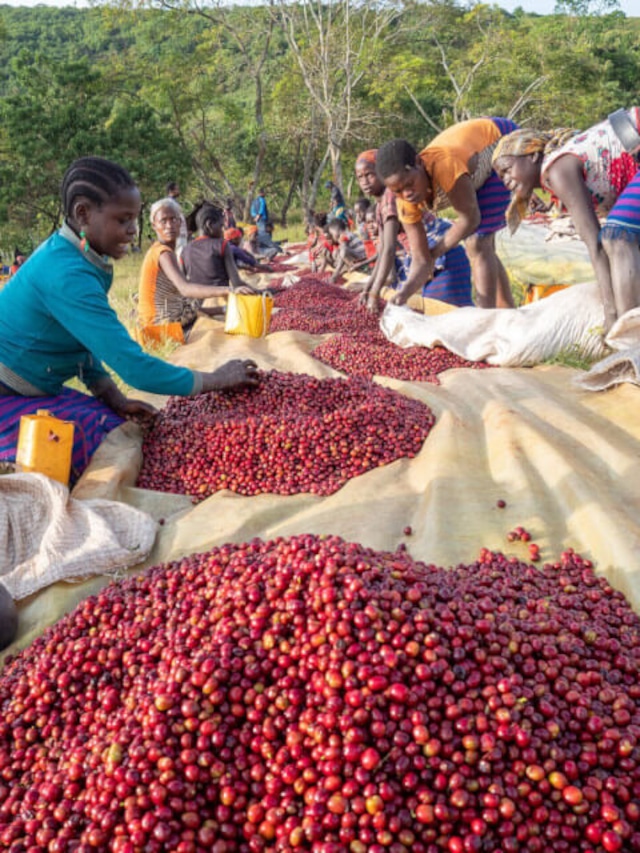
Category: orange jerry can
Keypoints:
(535, 292)
(45, 446)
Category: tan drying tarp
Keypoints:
(565, 460)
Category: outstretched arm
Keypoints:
(422, 261)
(464, 200)
(565, 178)
(238, 284)
(170, 267)
(384, 263)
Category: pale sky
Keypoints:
(631, 8)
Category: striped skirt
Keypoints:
(92, 420)
(493, 196)
(451, 280)
(623, 221)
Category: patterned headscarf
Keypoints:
(368, 157)
(521, 143)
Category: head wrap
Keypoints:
(232, 234)
(169, 203)
(368, 157)
(522, 143)
(251, 229)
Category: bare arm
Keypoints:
(422, 261)
(384, 262)
(238, 285)
(233, 374)
(105, 389)
(464, 200)
(236, 373)
(565, 178)
(170, 267)
(341, 262)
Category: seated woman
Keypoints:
(454, 170)
(360, 209)
(165, 295)
(51, 332)
(451, 280)
(589, 173)
(253, 243)
(267, 245)
(209, 258)
(244, 260)
(348, 250)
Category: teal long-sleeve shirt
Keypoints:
(56, 323)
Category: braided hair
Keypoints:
(394, 157)
(94, 178)
(208, 217)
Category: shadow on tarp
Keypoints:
(566, 461)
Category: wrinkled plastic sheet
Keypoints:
(565, 460)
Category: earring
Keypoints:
(84, 243)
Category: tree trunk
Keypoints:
(292, 186)
(317, 178)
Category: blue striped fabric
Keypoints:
(504, 125)
(453, 283)
(623, 221)
(452, 277)
(493, 201)
(92, 420)
(493, 196)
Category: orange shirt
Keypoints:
(448, 156)
(155, 288)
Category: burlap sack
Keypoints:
(49, 536)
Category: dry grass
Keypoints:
(123, 299)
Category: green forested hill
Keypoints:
(243, 95)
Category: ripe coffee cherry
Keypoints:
(311, 694)
(293, 433)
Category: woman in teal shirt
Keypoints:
(56, 322)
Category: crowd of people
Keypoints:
(485, 170)
(56, 322)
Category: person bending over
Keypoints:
(588, 174)
(244, 260)
(454, 170)
(452, 273)
(348, 249)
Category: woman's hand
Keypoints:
(400, 297)
(105, 389)
(245, 289)
(136, 410)
(372, 304)
(234, 374)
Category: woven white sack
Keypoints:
(48, 536)
(624, 364)
(566, 320)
